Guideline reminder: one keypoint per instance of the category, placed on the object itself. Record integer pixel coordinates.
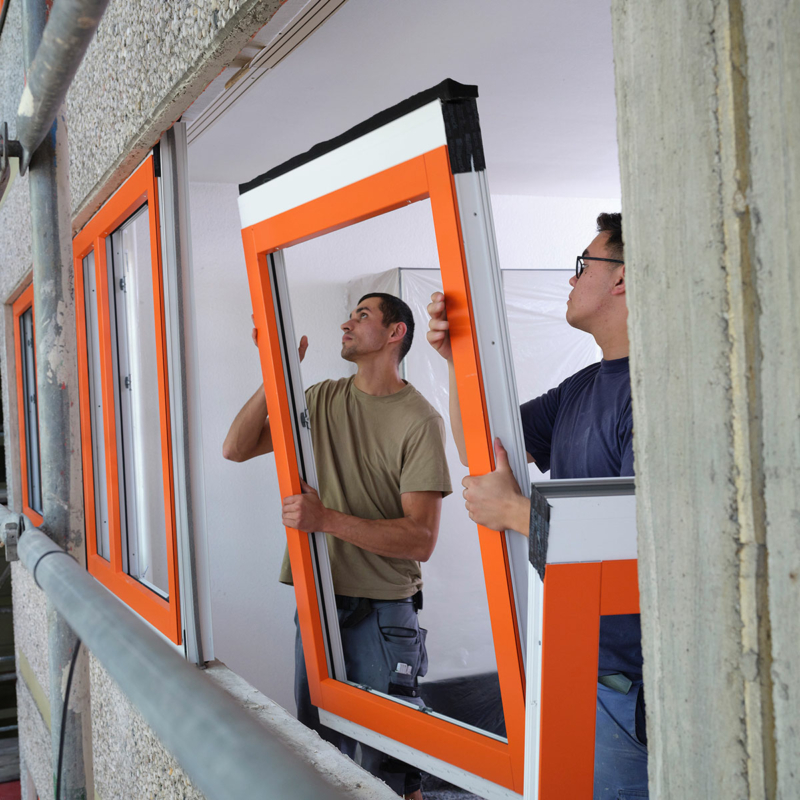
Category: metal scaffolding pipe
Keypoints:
(53, 49)
(222, 748)
(70, 28)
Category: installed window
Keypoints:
(30, 461)
(125, 405)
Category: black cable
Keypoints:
(64, 717)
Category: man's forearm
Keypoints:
(456, 425)
(249, 434)
(391, 538)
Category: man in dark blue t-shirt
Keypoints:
(583, 428)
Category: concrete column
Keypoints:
(772, 32)
(708, 122)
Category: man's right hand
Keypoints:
(301, 349)
(439, 327)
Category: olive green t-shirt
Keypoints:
(368, 451)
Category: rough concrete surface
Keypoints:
(30, 623)
(335, 768)
(148, 62)
(130, 763)
(34, 742)
(682, 122)
(772, 30)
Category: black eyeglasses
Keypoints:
(580, 266)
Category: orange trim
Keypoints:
(575, 596)
(20, 306)
(619, 591)
(139, 189)
(425, 176)
(570, 643)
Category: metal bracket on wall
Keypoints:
(9, 537)
(8, 149)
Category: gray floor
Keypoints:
(436, 789)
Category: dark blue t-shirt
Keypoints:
(584, 429)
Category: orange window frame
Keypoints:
(425, 176)
(576, 595)
(163, 614)
(19, 307)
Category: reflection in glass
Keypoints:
(142, 506)
(96, 405)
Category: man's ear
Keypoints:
(619, 285)
(399, 332)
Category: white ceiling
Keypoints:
(544, 69)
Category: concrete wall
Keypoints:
(147, 64)
(708, 119)
(771, 30)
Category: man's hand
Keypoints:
(494, 500)
(305, 512)
(301, 349)
(439, 327)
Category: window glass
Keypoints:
(31, 411)
(142, 506)
(96, 401)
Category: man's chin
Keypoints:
(348, 353)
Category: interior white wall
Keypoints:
(252, 612)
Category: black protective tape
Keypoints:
(461, 126)
(539, 531)
(463, 130)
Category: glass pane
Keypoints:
(141, 476)
(31, 411)
(96, 403)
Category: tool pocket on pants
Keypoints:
(404, 642)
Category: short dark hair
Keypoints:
(612, 225)
(394, 310)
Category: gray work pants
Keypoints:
(386, 651)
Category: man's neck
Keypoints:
(378, 378)
(614, 345)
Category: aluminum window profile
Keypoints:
(101, 532)
(412, 151)
(184, 386)
(305, 455)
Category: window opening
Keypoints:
(141, 491)
(33, 461)
(460, 680)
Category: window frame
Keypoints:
(140, 189)
(19, 308)
(428, 175)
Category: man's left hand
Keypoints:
(494, 500)
(305, 512)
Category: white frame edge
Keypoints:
(402, 139)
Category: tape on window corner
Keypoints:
(539, 532)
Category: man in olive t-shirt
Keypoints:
(379, 451)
